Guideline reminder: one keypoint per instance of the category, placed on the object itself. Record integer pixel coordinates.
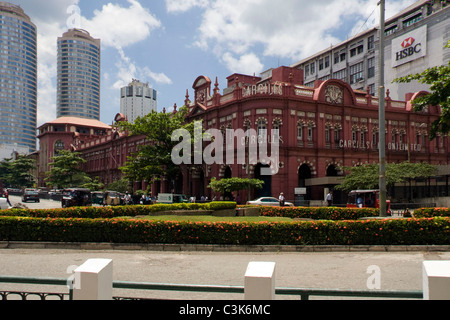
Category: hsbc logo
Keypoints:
(408, 42)
(409, 49)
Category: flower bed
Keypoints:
(320, 213)
(413, 231)
(118, 211)
(432, 212)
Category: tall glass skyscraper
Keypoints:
(18, 81)
(78, 88)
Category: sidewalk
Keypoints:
(400, 270)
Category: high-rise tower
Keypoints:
(78, 89)
(137, 100)
(18, 81)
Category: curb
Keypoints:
(217, 248)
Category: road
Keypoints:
(43, 204)
(332, 270)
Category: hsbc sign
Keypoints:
(409, 47)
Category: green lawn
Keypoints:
(216, 219)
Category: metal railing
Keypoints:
(302, 293)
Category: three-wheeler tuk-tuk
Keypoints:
(76, 197)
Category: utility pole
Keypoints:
(382, 115)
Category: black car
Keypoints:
(76, 197)
(31, 195)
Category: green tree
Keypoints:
(66, 170)
(367, 176)
(119, 186)
(21, 171)
(154, 159)
(94, 185)
(439, 80)
(234, 184)
(17, 173)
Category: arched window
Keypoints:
(59, 145)
(262, 129)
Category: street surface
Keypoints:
(330, 270)
(44, 204)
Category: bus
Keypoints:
(366, 199)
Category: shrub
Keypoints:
(432, 212)
(425, 231)
(321, 213)
(117, 211)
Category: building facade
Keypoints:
(66, 133)
(18, 81)
(137, 100)
(415, 40)
(321, 129)
(78, 87)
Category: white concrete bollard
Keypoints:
(260, 281)
(93, 280)
(436, 280)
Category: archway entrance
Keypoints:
(266, 191)
(304, 173)
(338, 195)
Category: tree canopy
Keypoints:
(234, 184)
(154, 159)
(17, 173)
(439, 80)
(367, 176)
(66, 170)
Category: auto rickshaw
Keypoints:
(111, 198)
(366, 199)
(76, 197)
(97, 197)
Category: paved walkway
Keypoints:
(331, 270)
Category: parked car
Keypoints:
(268, 201)
(31, 195)
(76, 197)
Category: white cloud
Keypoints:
(292, 29)
(247, 64)
(112, 24)
(176, 6)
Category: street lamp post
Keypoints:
(382, 116)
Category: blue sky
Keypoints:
(169, 43)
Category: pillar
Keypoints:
(93, 280)
(436, 280)
(260, 281)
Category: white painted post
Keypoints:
(260, 281)
(93, 280)
(436, 280)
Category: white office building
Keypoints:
(137, 100)
(415, 40)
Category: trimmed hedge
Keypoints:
(432, 212)
(413, 231)
(320, 213)
(115, 211)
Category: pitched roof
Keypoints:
(80, 122)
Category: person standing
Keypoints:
(281, 199)
(330, 199)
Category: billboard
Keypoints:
(409, 47)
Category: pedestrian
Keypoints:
(6, 194)
(330, 198)
(359, 202)
(281, 199)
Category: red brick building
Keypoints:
(322, 128)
